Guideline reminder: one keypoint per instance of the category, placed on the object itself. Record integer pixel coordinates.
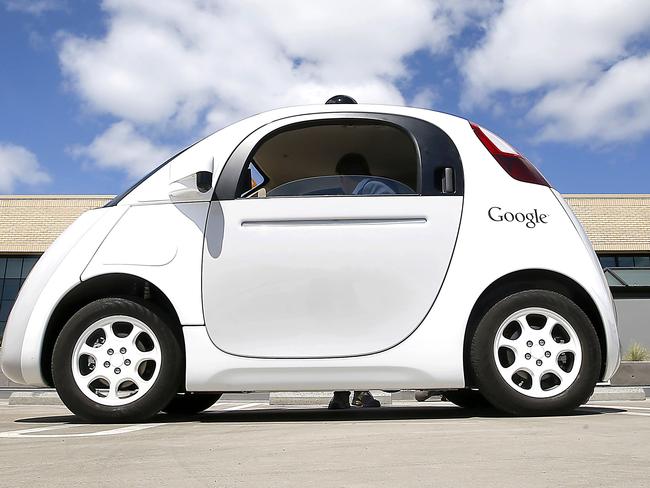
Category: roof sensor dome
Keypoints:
(344, 99)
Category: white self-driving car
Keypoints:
(326, 247)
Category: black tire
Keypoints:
(191, 403)
(467, 398)
(504, 396)
(164, 386)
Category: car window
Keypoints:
(254, 180)
(357, 158)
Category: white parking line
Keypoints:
(34, 433)
(245, 406)
(17, 433)
(625, 407)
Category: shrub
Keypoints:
(637, 352)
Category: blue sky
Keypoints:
(93, 94)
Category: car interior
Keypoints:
(302, 161)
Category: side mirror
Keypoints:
(190, 179)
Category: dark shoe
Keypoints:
(365, 399)
(340, 400)
(424, 395)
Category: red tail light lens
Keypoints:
(516, 165)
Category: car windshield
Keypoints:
(122, 195)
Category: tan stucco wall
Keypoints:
(29, 223)
(616, 223)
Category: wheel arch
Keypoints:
(531, 279)
(102, 286)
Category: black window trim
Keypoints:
(229, 183)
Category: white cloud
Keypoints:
(18, 165)
(34, 7)
(577, 58)
(424, 98)
(169, 61)
(173, 66)
(121, 147)
(616, 107)
(535, 44)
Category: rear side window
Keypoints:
(352, 158)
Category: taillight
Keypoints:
(516, 165)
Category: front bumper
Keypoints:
(55, 273)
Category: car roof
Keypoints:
(238, 130)
(280, 113)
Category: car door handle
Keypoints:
(448, 181)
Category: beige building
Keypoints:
(614, 223)
(618, 226)
(30, 223)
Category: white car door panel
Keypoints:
(324, 276)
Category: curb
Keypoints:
(621, 393)
(321, 398)
(35, 398)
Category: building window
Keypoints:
(624, 260)
(13, 271)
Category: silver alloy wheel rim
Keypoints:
(116, 360)
(537, 352)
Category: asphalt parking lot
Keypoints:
(238, 443)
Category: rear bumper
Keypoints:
(602, 297)
(612, 356)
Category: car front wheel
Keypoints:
(535, 353)
(117, 360)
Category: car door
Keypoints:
(297, 266)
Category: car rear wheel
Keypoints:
(117, 360)
(191, 403)
(535, 353)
